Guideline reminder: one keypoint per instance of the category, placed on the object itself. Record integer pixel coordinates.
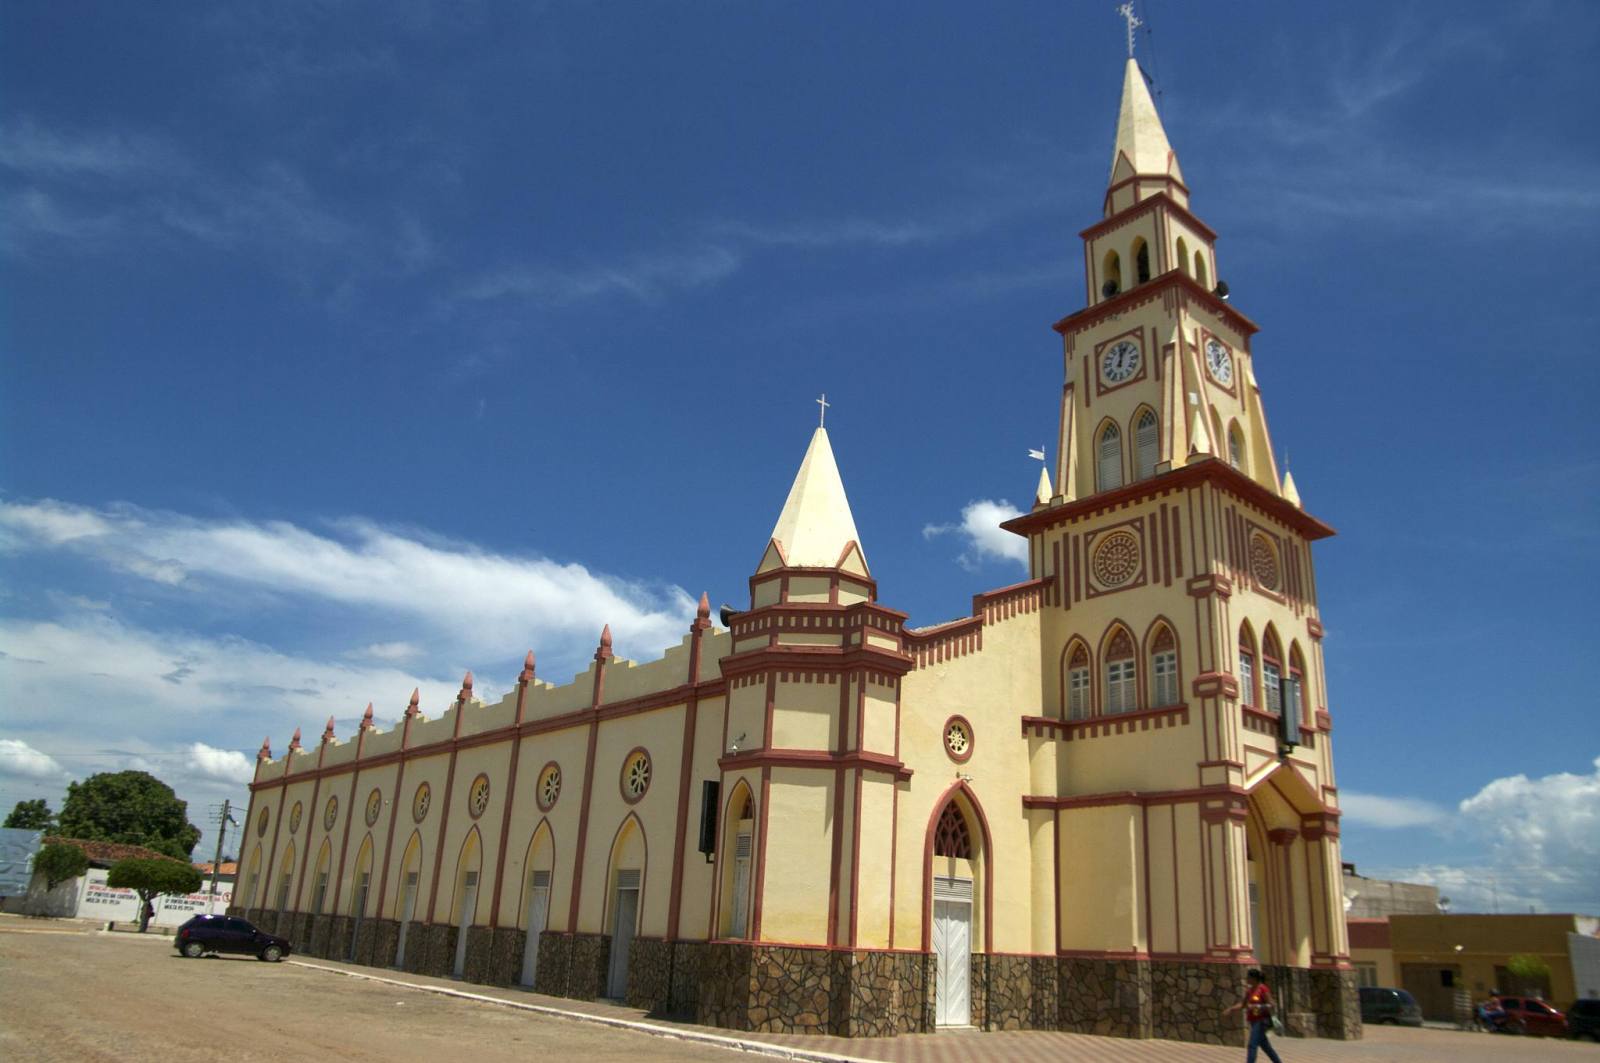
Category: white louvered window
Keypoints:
(741, 886)
(1247, 678)
(1110, 467)
(1146, 442)
(1078, 693)
(1121, 688)
(1235, 448)
(1272, 681)
(1164, 668)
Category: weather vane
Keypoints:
(1134, 22)
(822, 414)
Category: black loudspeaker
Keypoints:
(710, 795)
(1291, 712)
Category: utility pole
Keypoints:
(223, 819)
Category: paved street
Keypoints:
(69, 993)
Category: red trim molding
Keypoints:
(812, 758)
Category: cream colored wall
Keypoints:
(880, 711)
(877, 861)
(805, 715)
(1102, 867)
(1383, 959)
(566, 748)
(797, 848)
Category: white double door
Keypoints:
(627, 909)
(538, 914)
(952, 949)
(408, 911)
(469, 910)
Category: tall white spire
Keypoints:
(1142, 149)
(816, 525)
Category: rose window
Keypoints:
(1116, 559)
(294, 817)
(330, 814)
(636, 775)
(958, 738)
(374, 806)
(1263, 562)
(420, 802)
(478, 796)
(549, 786)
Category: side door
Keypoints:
(1541, 1019)
(235, 935)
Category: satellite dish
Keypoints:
(727, 613)
(1108, 289)
(1222, 290)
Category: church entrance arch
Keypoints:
(957, 905)
(540, 867)
(406, 900)
(1279, 887)
(626, 877)
(469, 865)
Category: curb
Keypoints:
(736, 1044)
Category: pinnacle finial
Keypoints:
(416, 699)
(294, 742)
(265, 752)
(1134, 22)
(327, 732)
(466, 687)
(366, 718)
(527, 669)
(822, 411)
(604, 651)
(703, 610)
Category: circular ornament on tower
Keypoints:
(294, 817)
(1264, 562)
(635, 776)
(374, 806)
(1219, 362)
(958, 739)
(1120, 361)
(330, 814)
(1116, 559)
(421, 801)
(548, 789)
(478, 796)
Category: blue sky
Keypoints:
(350, 346)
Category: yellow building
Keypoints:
(1087, 806)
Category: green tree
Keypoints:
(31, 815)
(151, 878)
(60, 862)
(131, 807)
(1531, 972)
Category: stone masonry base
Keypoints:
(849, 993)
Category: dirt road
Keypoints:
(73, 996)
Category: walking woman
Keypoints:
(1257, 1006)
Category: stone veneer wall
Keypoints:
(505, 955)
(1106, 997)
(1336, 1001)
(687, 960)
(591, 957)
(1187, 1001)
(649, 973)
(786, 989)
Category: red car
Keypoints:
(1530, 1016)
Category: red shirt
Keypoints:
(1258, 1004)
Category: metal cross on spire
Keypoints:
(822, 413)
(1134, 22)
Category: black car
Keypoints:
(1583, 1019)
(1381, 1004)
(224, 933)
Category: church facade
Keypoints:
(1087, 806)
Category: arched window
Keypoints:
(1247, 666)
(1183, 254)
(1108, 470)
(739, 841)
(1141, 260)
(1217, 438)
(1272, 672)
(286, 877)
(1297, 676)
(1200, 269)
(1111, 272)
(1236, 456)
(1122, 674)
(1078, 702)
(319, 891)
(951, 837)
(1164, 668)
(1146, 444)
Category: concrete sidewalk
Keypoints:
(1396, 1044)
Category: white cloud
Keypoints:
(464, 598)
(19, 758)
(387, 651)
(27, 148)
(646, 278)
(224, 765)
(980, 530)
(1390, 813)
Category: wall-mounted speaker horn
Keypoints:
(727, 613)
(1221, 289)
(1108, 289)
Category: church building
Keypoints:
(1089, 806)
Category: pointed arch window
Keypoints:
(1146, 444)
(1272, 673)
(951, 837)
(1111, 274)
(1122, 674)
(1236, 456)
(1108, 469)
(1164, 669)
(1297, 682)
(1200, 269)
(1078, 684)
(1247, 668)
(1183, 254)
(1141, 260)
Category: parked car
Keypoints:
(1380, 1004)
(224, 933)
(1583, 1019)
(1530, 1016)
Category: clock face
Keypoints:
(1219, 362)
(1119, 362)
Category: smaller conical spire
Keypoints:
(366, 718)
(327, 732)
(527, 669)
(416, 700)
(816, 526)
(294, 742)
(604, 650)
(1199, 438)
(1291, 493)
(1043, 494)
(703, 610)
(265, 752)
(466, 688)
